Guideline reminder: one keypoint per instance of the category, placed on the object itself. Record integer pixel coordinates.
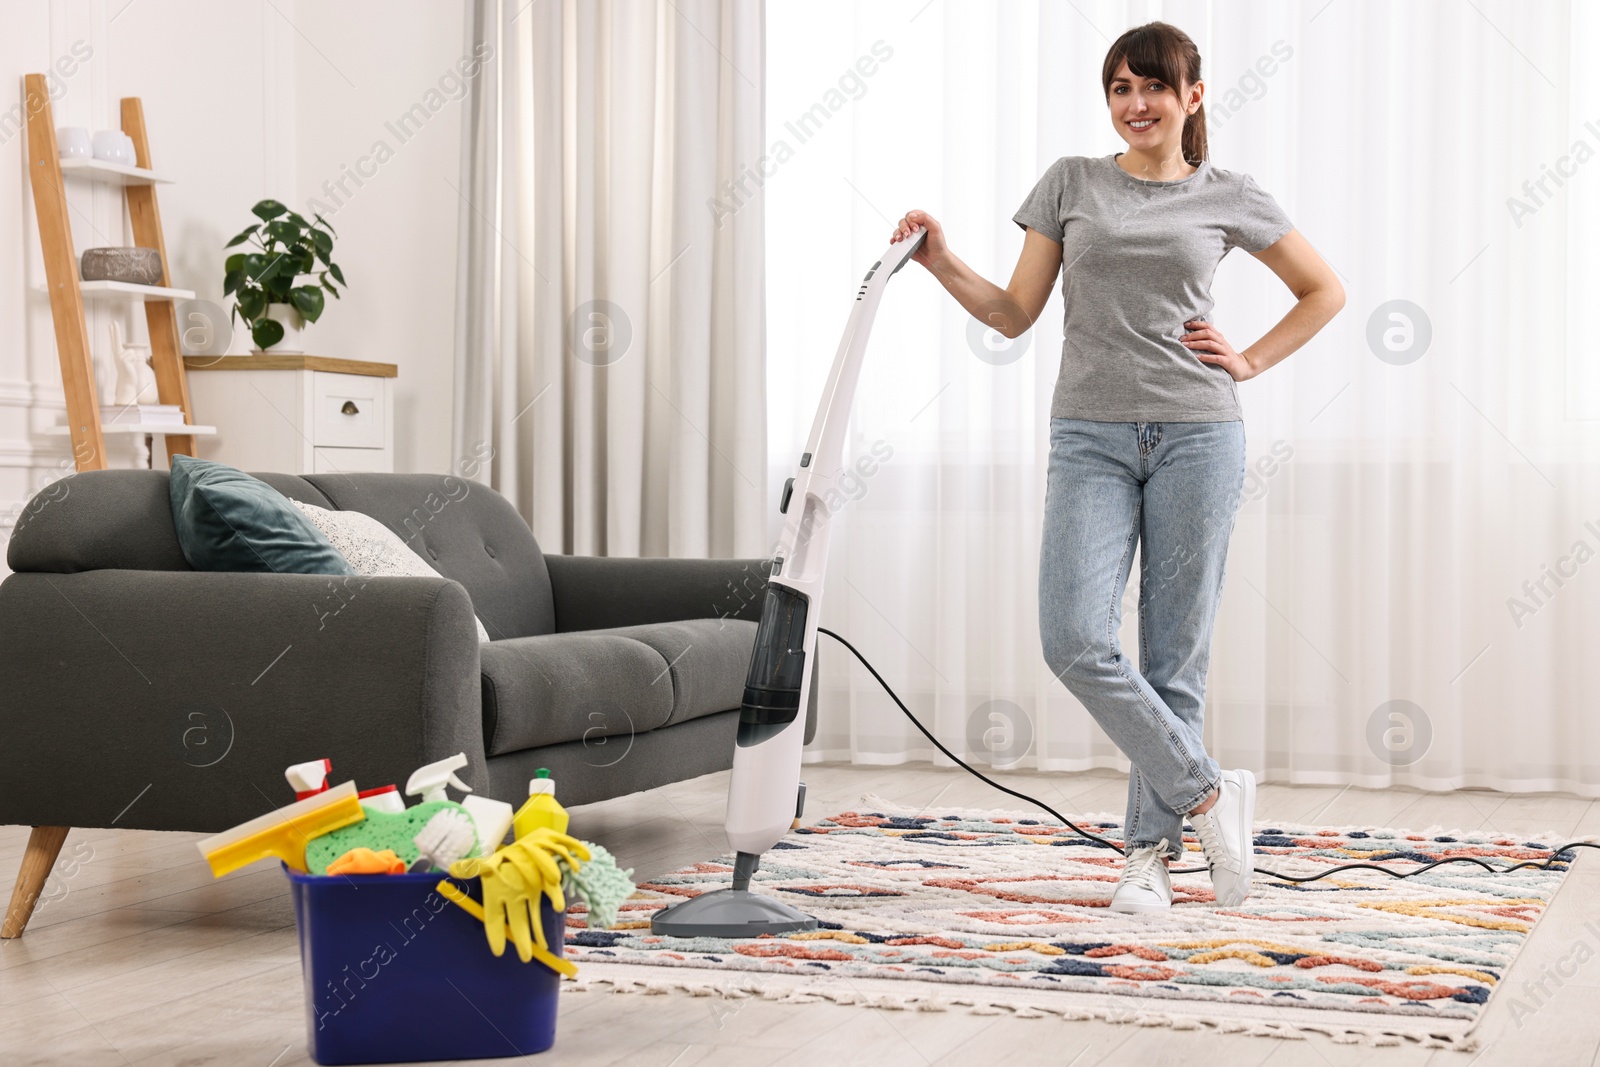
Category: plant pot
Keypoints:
(287, 316)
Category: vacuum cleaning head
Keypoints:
(734, 912)
(729, 913)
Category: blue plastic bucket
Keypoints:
(394, 972)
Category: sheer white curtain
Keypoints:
(609, 367)
(1413, 586)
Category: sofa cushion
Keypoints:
(572, 687)
(596, 685)
(227, 520)
(111, 520)
(468, 532)
(708, 660)
(370, 548)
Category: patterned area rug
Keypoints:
(1008, 912)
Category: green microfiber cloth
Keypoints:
(378, 831)
(600, 884)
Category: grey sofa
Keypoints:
(136, 692)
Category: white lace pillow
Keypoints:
(371, 547)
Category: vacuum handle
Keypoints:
(900, 252)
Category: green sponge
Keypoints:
(378, 831)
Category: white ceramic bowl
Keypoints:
(113, 146)
(73, 142)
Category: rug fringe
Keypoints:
(778, 993)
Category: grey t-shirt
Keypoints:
(1138, 257)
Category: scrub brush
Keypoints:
(447, 837)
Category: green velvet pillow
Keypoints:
(228, 521)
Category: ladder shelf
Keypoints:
(48, 171)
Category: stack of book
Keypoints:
(144, 414)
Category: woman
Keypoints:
(1147, 442)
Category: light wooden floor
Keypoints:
(140, 957)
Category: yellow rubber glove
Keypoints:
(472, 908)
(514, 878)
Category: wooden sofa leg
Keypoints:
(44, 845)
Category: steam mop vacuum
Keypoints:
(764, 795)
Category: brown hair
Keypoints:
(1162, 51)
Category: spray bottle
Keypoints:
(428, 781)
(541, 808)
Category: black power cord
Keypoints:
(1554, 856)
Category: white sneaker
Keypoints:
(1226, 834)
(1145, 885)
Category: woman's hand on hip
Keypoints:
(933, 248)
(1209, 346)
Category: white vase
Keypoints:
(287, 316)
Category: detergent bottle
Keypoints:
(541, 808)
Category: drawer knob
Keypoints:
(349, 408)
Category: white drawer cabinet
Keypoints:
(348, 410)
(295, 414)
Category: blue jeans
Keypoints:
(1172, 488)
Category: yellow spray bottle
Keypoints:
(541, 808)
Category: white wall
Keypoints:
(397, 230)
(245, 100)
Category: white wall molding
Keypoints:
(18, 454)
(17, 393)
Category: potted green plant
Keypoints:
(264, 282)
